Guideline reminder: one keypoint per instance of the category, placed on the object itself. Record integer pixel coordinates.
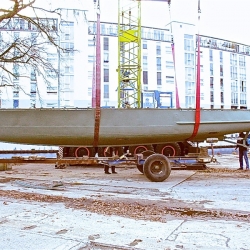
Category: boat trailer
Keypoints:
(156, 167)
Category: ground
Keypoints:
(82, 208)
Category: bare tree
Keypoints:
(25, 35)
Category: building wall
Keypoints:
(74, 86)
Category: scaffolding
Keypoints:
(129, 54)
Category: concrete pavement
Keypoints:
(28, 222)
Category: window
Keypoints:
(16, 35)
(190, 88)
(33, 96)
(221, 70)
(67, 69)
(158, 78)
(90, 58)
(67, 47)
(243, 86)
(89, 91)
(67, 31)
(234, 98)
(66, 36)
(242, 73)
(16, 71)
(91, 42)
(211, 55)
(67, 81)
(188, 43)
(113, 30)
(233, 59)
(221, 84)
(103, 29)
(32, 87)
(145, 45)
(145, 77)
(243, 99)
(233, 71)
(189, 74)
(170, 80)
(51, 89)
(51, 104)
(168, 50)
(15, 93)
(221, 57)
(33, 75)
(234, 86)
(242, 62)
(189, 101)
(211, 82)
(222, 97)
(157, 35)
(163, 36)
(169, 64)
(211, 96)
(106, 75)
(145, 62)
(189, 59)
(202, 82)
(211, 69)
(106, 57)
(106, 91)
(16, 24)
(158, 63)
(105, 43)
(15, 104)
(158, 50)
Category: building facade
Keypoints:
(225, 78)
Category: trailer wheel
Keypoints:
(157, 167)
(145, 154)
(169, 149)
(140, 148)
(83, 151)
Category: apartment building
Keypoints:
(49, 90)
(225, 80)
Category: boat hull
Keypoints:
(73, 127)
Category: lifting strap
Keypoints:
(198, 106)
(94, 77)
(98, 82)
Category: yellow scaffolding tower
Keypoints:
(129, 54)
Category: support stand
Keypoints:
(212, 141)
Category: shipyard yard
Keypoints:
(82, 208)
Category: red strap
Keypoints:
(98, 85)
(97, 126)
(176, 86)
(198, 106)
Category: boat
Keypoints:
(118, 127)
